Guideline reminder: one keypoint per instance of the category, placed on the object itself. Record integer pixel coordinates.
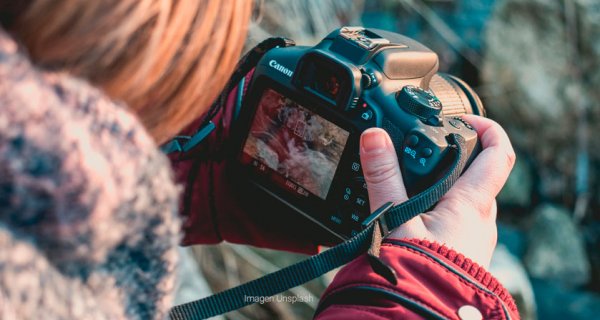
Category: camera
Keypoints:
(297, 134)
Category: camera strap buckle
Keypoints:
(379, 216)
(380, 231)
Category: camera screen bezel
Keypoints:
(312, 206)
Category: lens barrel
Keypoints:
(457, 97)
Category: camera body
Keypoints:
(298, 132)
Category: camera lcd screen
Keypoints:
(294, 146)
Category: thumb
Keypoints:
(381, 168)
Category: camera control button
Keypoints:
(367, 115)
(412, 140)
(353, 103)
(336, 219)
(369, 79)
(355, 166)
(426, 152)
(361, 201)
(454, 123)
(434, 121)
(366, 81)
(347, 194)
(419, 102)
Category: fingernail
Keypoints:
(373, 140)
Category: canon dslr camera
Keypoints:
(306, 107)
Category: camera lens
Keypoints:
(456, 96)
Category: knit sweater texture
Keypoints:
(88, 206)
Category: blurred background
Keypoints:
(536, 65)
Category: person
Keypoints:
(89, 206)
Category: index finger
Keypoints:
(483, 180)
(490, 133)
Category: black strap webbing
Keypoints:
(183, 144)
(324, 262)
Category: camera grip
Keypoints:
(422, 152)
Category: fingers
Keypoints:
(482, 181)
(381, 169)
(490, 133)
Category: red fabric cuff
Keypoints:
(476, 271)
(431, 275)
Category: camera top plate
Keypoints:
(363, 37)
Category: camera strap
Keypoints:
(375, 228)
(184, 144)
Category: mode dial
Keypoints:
(420, 103)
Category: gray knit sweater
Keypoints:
(88, 224)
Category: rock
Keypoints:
(592, 237)
(306, 22)
(556, 302)
(509, 270)
(556, 249)
(513, 239)
(518, 188)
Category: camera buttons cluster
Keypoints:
(353, 103)
(420, 103)
(412, 141)
(354, 200)
(362, 109)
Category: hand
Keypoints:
(465, 218)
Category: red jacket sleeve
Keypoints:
(210, 206)
(433, 282)
(199, 172)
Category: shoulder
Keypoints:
(81, 178)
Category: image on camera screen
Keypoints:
(294, 144)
